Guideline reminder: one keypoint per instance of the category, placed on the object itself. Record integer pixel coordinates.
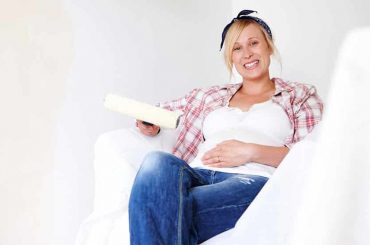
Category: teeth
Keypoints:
(249, 65)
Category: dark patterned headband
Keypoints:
(244, 15)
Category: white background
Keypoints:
(60, 57)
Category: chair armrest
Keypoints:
(118, 155)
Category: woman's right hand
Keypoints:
(148, 130)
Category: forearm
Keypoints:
(233, 153)
(269, 155)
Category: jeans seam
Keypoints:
(228, 206)
(179, 219)
(213, 174)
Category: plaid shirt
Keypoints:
(300, 102)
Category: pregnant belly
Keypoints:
(233, 134)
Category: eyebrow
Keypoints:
(248, 39)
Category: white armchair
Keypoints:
(118, 155)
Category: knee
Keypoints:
(156, 172)
(155, 163)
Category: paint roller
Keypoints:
(142, 111)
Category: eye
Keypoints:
(254, 43)
(236, 48)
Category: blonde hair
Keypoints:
(233, 34)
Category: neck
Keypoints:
(254, 87)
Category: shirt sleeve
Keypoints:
(179, 104)
(307, 110)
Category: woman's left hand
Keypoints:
(229, 153)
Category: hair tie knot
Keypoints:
(244, 15)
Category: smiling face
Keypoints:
(251, 54)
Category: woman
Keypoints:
(233, 136)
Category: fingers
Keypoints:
(215, 158)
(211, 160)
(219, 150)
(147, 129)
(217, 162)
(225, 154)
(212, 155)
(220, 165)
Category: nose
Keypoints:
(247, 53)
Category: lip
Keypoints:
(251, 65)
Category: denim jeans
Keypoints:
(172, 203)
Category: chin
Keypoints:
(253, 77)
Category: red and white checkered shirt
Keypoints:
(300, 102)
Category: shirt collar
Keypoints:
(280, 86)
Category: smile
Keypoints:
(251, 65)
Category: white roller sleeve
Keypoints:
(142, 111)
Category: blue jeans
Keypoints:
(172, 203)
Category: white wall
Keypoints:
(148, 50)
(309, 33)
(60, 57)
(36, 54)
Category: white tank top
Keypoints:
(264, 123)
